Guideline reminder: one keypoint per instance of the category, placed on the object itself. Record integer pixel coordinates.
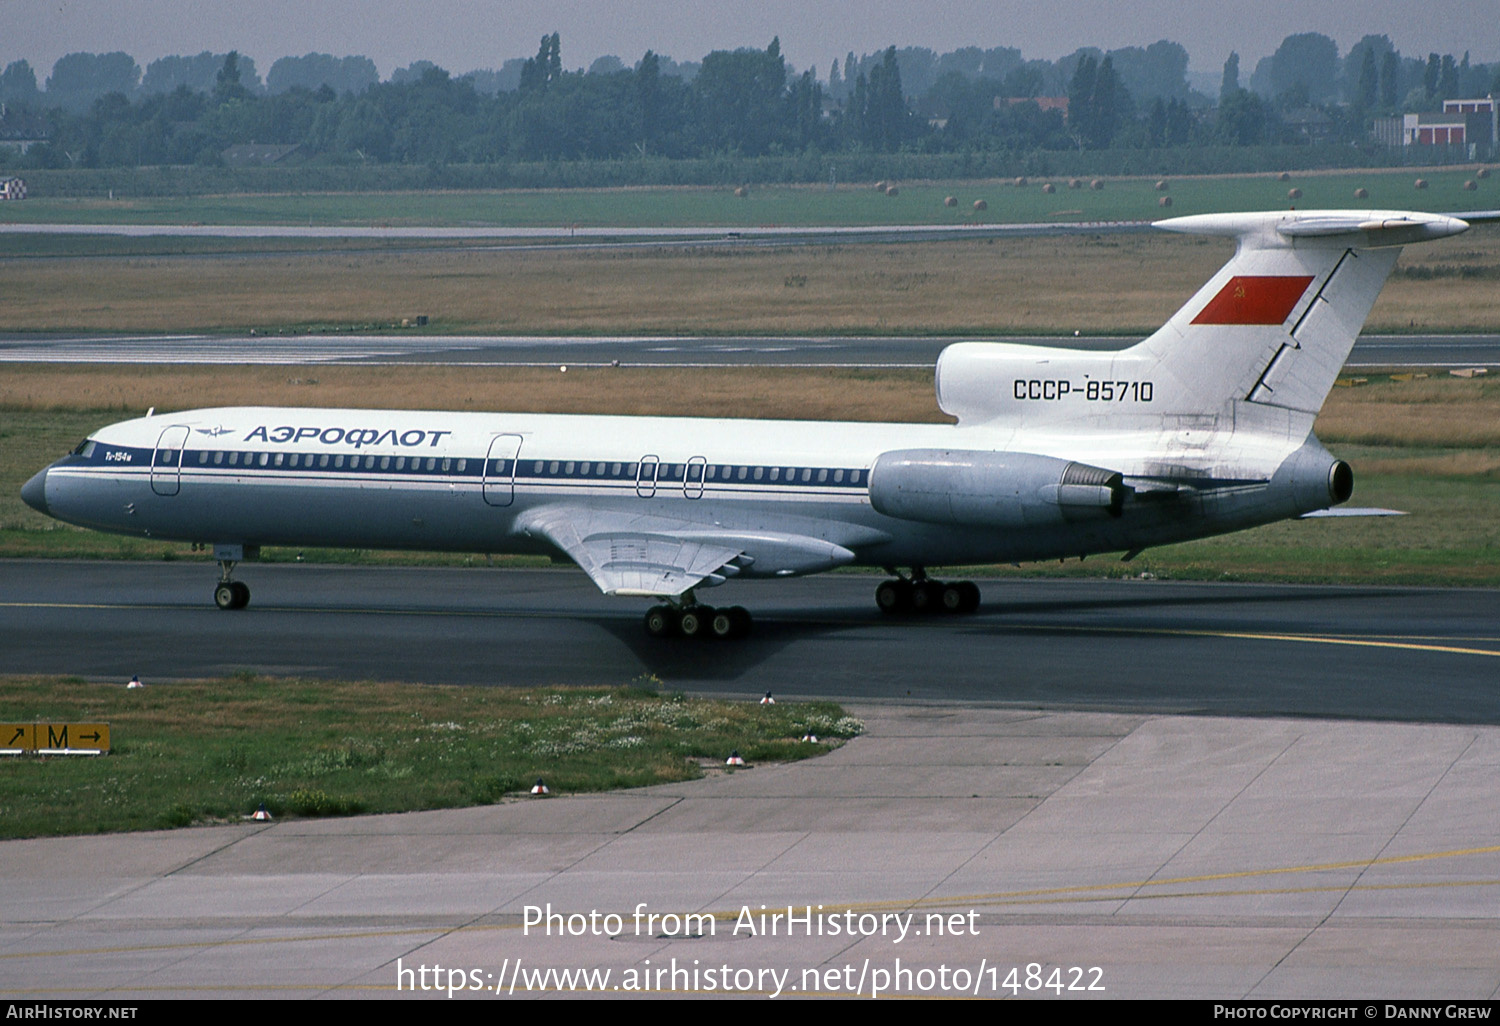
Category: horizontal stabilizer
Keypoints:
(1353, 511)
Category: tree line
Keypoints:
(101, 111)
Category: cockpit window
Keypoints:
(84, 448)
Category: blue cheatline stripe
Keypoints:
(712, 475)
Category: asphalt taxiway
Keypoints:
(1137, 646)
(1436, 351)
(1154, 788)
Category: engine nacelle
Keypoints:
(991, 489)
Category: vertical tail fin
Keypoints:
(1274, 326)
(1257, 349)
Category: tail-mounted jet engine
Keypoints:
(992, 489)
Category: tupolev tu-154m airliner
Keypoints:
(1205, 427)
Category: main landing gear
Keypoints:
(230, 594)
(919, 595)
(697, 621)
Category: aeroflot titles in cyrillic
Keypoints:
(357, 437)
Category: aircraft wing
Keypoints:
(628, 554)
(661, 556)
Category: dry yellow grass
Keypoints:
(1116, 284)
(1435, 411)
(777, 393)
(1027, 285)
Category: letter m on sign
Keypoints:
(57, 735)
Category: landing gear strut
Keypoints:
(230, 594)
(920, 595)
(692, 620)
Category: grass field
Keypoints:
(1122, 284)
(849, 204)
(1430, 447)
(213, 751)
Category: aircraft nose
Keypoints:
(34, 492)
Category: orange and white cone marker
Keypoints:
(539, 788)
(135, 682)
(768, 700)
(734, 759)
(261, 814)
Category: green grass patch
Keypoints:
(1120, 198)
(213, 751)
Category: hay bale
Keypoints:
(742, 191)
(1096, 184)
(1074, 183)
(1161, 186)
(950, 201)
(1049, 188)
(1285, 176)
(1294, 194)
(1020, 181)
(1420, 183)
(1165, 201)
(1361, 193)
(891, 190)
(981, 205)
(1483, 172)
(880, 185)
(1470, 185)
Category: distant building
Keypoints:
(1309, 123)
(258, 154)
(1059, 103)
(20, 131)
(1471, 124)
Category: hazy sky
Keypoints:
(462, 35)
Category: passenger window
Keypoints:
(432, 463)
(775, 473)
(614, 469)
(203, 457)
(822, 475)
(385, 463)
(234, 459)
(370, 462)
(280, 456)
(807, 473)
(218, 458)
(568, 470)
(400, 462)
(744, 473)
(760, 472)
(838, 477)
(338, 461)
(323, 460)
(552, 468)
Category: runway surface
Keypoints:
(1427, 655)
(1038, 803)
(1435, 351)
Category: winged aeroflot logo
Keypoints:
(215, 431)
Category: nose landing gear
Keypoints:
(230, 594)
